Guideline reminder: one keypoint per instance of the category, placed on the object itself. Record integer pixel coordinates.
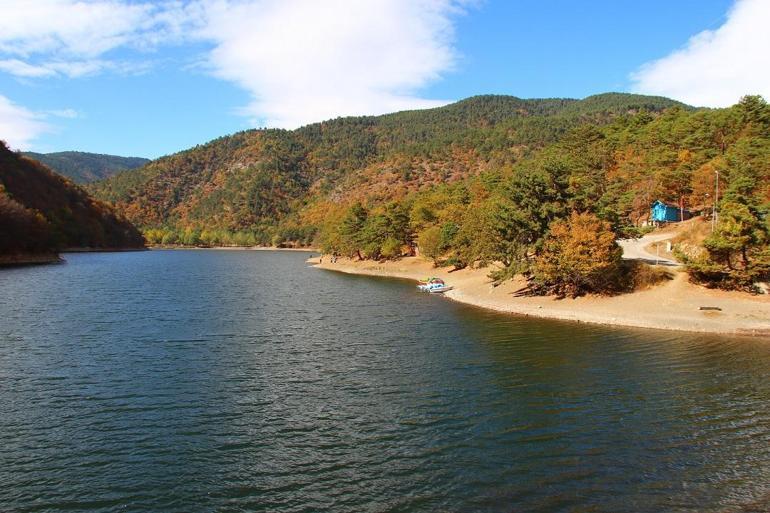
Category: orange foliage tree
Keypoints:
(580, 255)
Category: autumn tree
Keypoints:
(579, 255)
(22, 229)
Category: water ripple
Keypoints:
(245, 381)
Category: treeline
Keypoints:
(82, 167)
(42, 212)
(242, 182)
(554, 216)
(286, 236)
(488, 179)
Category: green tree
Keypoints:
(191, 237)
(397, 216)
(475, 242)
(737, 253)
(350, 232)
(391, 248)
(170, 237)
(538, 195)
(429, 242)
(375, 230)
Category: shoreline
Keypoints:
(101, 250)
(24, 259)
(234, 248)
(672, 306)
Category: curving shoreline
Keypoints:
(230, 248)
(23, 259)
(671, 306)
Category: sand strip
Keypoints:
(674, 305)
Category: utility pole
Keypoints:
(716, 199)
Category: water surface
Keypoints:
(246, 381)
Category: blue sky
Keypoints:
(150, 78)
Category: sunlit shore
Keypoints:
(674, 305)
(234, 248)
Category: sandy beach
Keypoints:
(674, 305)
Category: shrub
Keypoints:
(153, 236)
(170, 237)
(191, 237)
(640, 276)
(391, 248)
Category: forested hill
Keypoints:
(265, 184)
(42, 212)
(82, 167)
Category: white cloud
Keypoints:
(85, 29)
(64, 113)
(300, 60)
(72, 69)
(716, 67)
(46, 38)
(304, 60)
(24, 69)
(19, 126)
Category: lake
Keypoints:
(246, 381)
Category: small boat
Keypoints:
(426, 281)
(434, 285)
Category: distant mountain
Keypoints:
(256, 180)
(43, 212)
(82, 167)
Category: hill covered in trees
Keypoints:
(43, 212)
(487, 179)
(82, 167)
(258, 182)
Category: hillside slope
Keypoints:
(82, 167)
(42, 212)
(259, 180)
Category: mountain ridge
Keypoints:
(85, 167)
(256, 179)
(42, 212)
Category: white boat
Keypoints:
(435, 286)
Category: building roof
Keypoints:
(671, 205)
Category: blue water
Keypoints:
(245, 381)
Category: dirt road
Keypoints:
(634, 249)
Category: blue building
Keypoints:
(661, 212)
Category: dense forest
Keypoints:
(554, 214)
(82, 167)
(43, 212)
(525, 183)
(269, 184)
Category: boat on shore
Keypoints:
(433, 285)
